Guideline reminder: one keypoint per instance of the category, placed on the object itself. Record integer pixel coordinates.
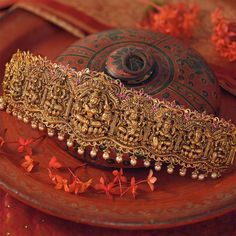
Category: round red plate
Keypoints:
(177, 200)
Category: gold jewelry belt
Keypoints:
(91, 109)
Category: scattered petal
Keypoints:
(28, 164)
(151, 180)
(2, 142)
(59, 181)
(54, 163)
(133, 187)
(24, 145)
(119, 178)
(78, 186)
(108, 188)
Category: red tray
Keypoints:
(177, 200)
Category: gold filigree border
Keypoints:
(91, 109)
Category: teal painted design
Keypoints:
(98, 58)
(80, 61)
(175, 65)
(203, 80)
(71, 55)
(190, 104)
(198, 65)
(191, 83)
(180, 77)
(190, 92)
(166, 95)
(205, 93)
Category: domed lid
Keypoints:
(160, 65)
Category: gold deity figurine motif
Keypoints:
(92, 109)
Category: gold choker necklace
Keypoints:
(89, 108)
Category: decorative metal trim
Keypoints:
(91, 109)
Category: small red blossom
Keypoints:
(108, 188)
(24, 145)
(28, 164)
(2, 142)
(177, 19)
(151, 180)
(54, 163)
(224, 36)
(119, 178)
(78, 186)
(2, 137)
(133, 187)
(59, 181)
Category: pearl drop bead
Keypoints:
(157, 167)
(1, 107)
(2, 104)
(133, 161)
(50, 133)
(25, 120)
(80, 151)
(214, 175)
(8, 111)
(34, 125)
(105, 155)
(60, 137)
(146, 163)
(41, 127)
(93, 153)
(182, 172)
(201, 177)
(69, 143)
(119, 158)
(19, 117)
(170, 170)
(194, 175)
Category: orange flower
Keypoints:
(119, 178)
(224, 36)
(28, 164)
(105, 187)
(78, 186)
(2, 142)
(54, 163)
(177, 20)
(151, 180)
(133, 187)
(24, 145)
(59, 181)
(2, 137)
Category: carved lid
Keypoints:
(160, 65)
